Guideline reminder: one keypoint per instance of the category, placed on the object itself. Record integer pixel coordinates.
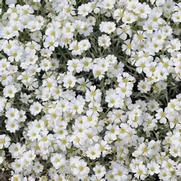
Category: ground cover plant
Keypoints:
(90, 90)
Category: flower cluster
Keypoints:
(90, 90)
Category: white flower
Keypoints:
(93, 152)
(58, 160)
(108, 4)
(69, 80)
(107, 27)
(161, 116)
(16, 177)
(17, 150)
(74, 65)
(144, 86)
(35, 108)
(104, 41)
(85, 9)
(153, 168)
(2, 103)
(176, 17)
(120, 173)
(100, 171)
(12, 114)
(9, 91)
(141, 172)
(12, 125)
(79, 167)
(4, 141)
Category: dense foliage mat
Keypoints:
(90, 90)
